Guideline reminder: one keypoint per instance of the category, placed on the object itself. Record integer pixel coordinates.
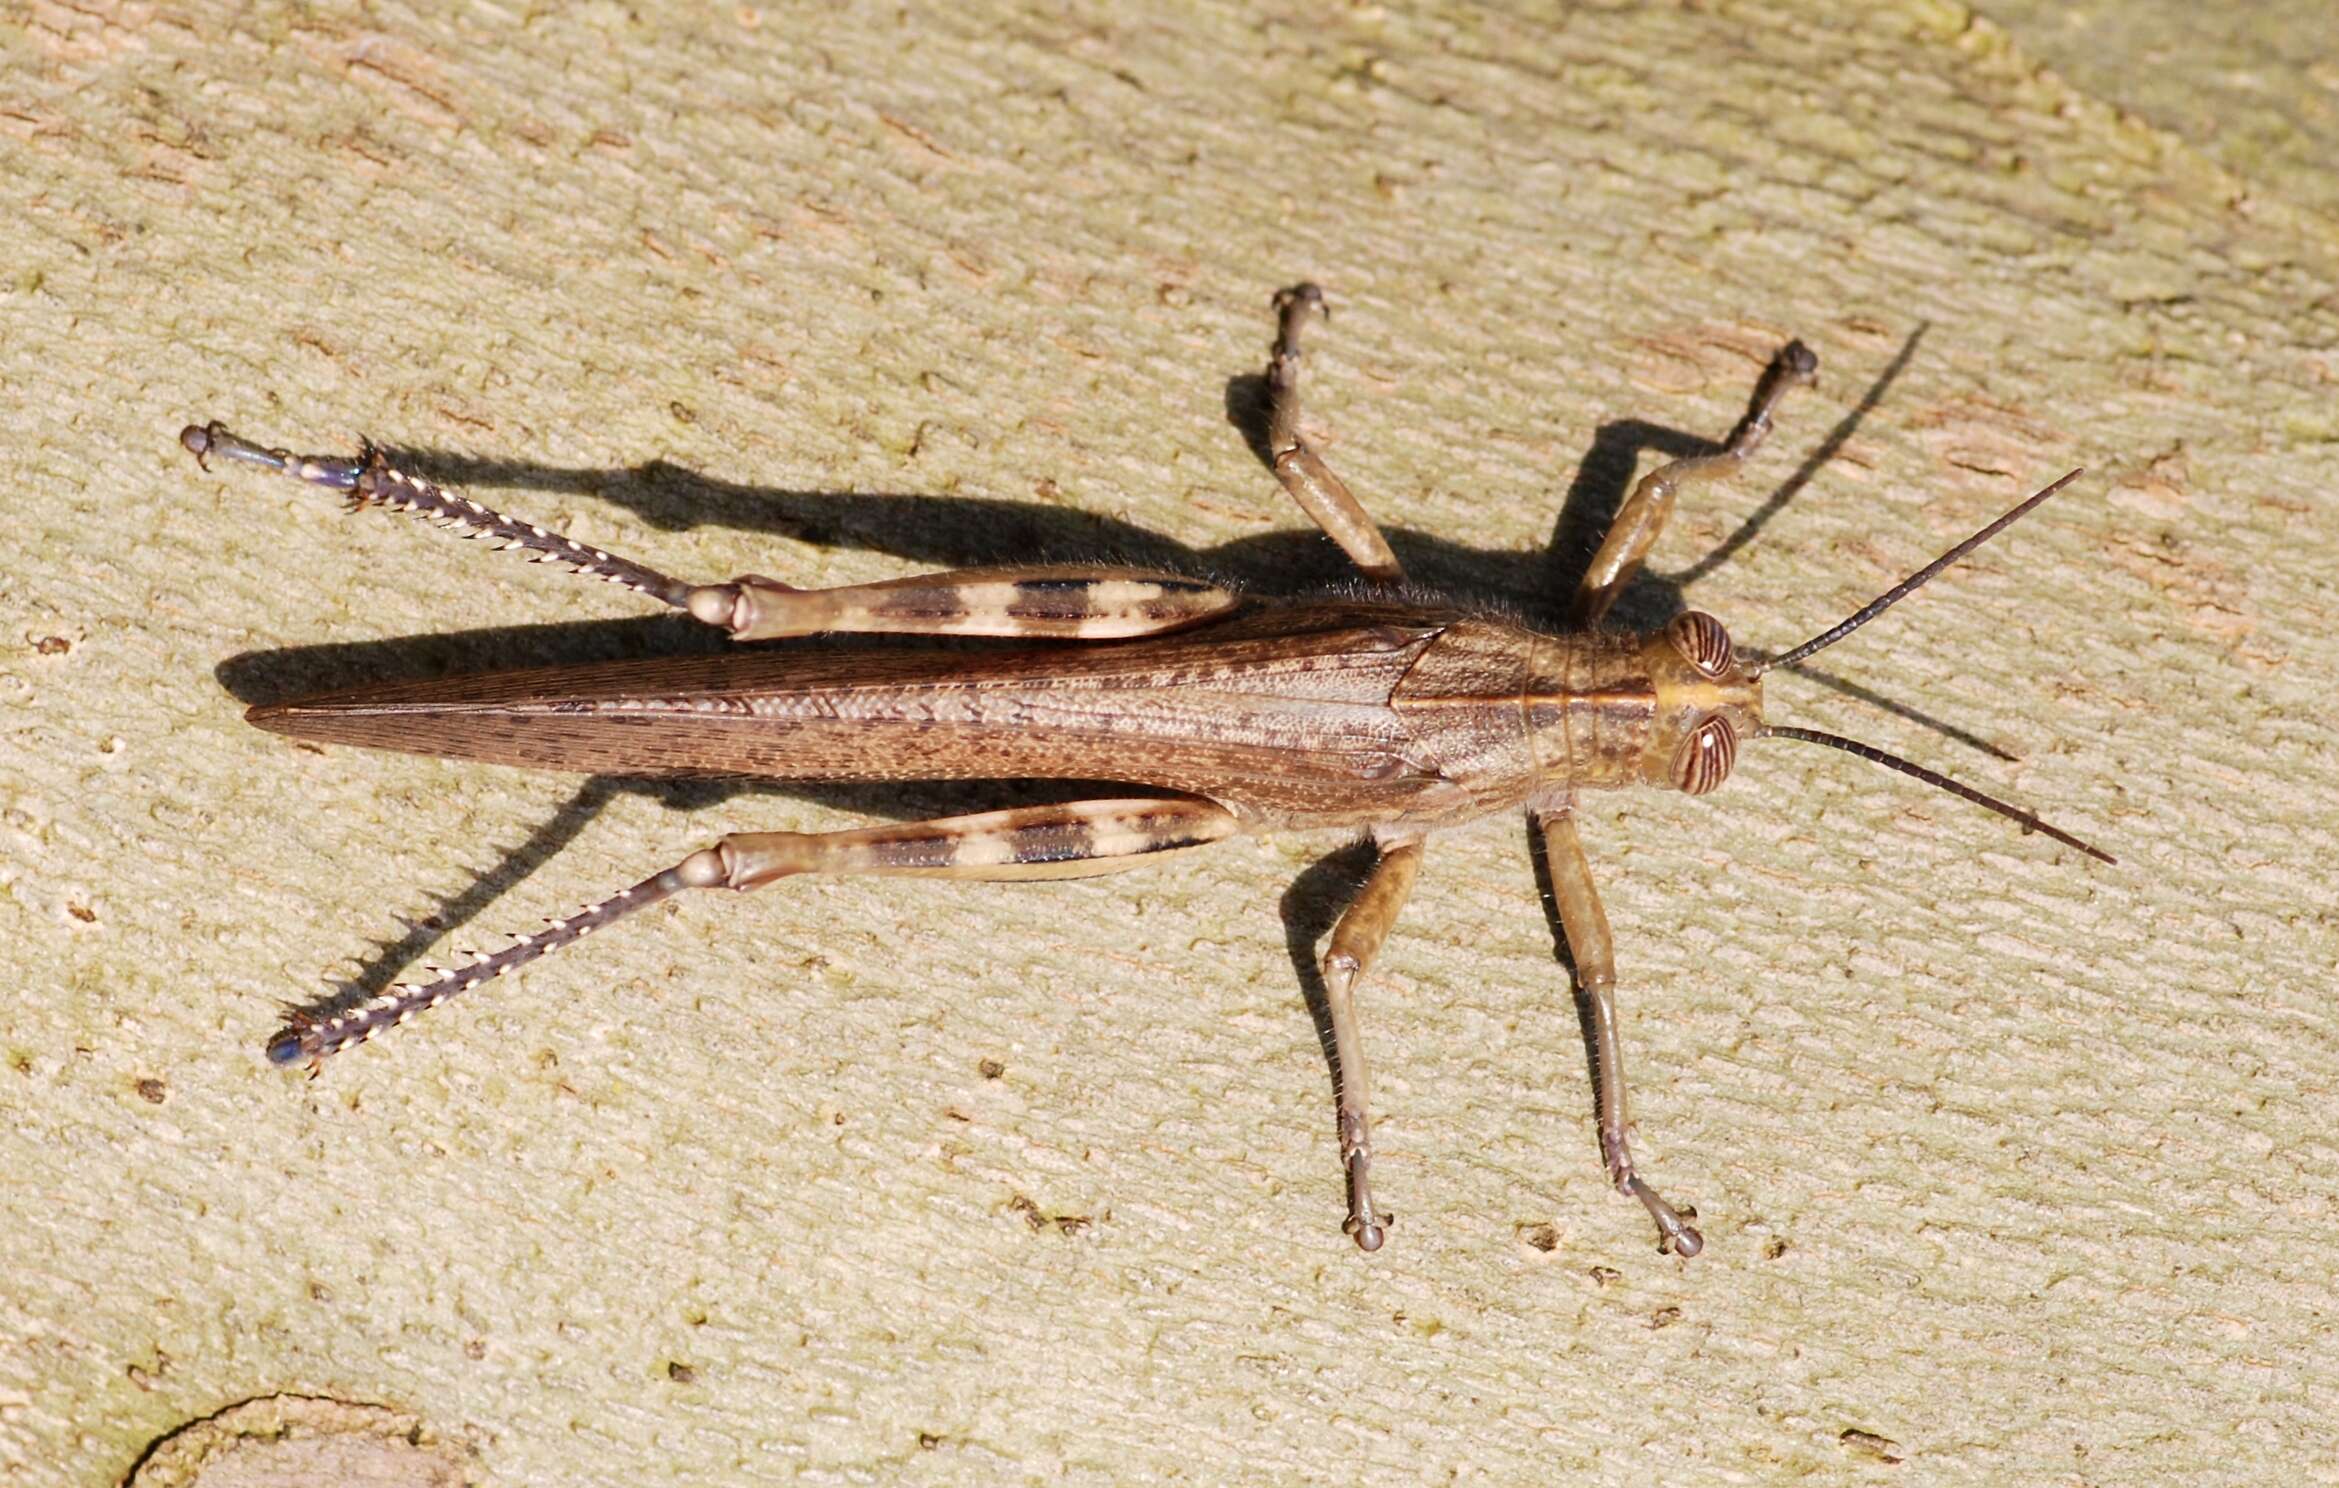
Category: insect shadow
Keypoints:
(966, 532)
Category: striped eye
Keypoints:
(1700, 637)
(1703, 761)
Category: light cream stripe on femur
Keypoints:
(1061, 604)
(978, 849)
(1066, 841)
(1124, 829)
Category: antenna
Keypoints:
(1877, 606)
(1913, 582)
(2029, 819)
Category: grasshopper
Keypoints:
(1377, 710)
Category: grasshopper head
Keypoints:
(1706, 702)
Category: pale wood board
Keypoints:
(2020, 1164)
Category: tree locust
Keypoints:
(1377, 709)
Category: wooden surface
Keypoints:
(2012, 1167)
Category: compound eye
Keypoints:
(1703, 761)
(1700, 637)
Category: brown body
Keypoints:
(1216, 715)
(1302, 714)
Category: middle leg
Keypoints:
(1320, 493)
(1356, 940)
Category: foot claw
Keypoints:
(1675, 1235)
(196, 440)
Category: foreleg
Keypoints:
(1643, 514)
(1594, 952)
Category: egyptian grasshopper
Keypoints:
(1378, 711)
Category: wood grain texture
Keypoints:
(2018, 1168)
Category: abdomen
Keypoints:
(1283, 716)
